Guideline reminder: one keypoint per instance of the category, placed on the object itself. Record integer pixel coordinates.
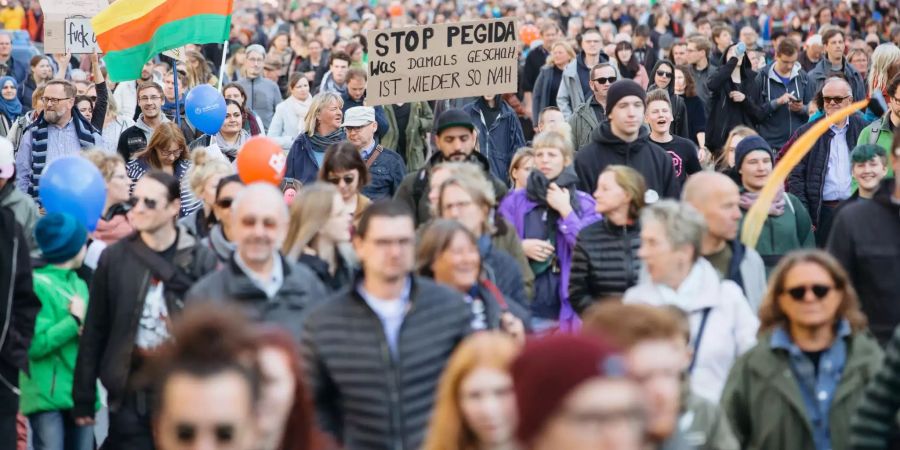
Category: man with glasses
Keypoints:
(126, 94)
(257, 276)
(575, 87)
(136, 137)
(386, 167)
(823, 179)
(263, 94)
(57, 133)
(881, 132)
(591, 114)
(698, 48)
(139, 284)
(400, 327)
(834, 63)
(783, 96)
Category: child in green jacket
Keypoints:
(46, 391)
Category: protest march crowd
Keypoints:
(681, 231)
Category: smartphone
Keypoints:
(794, 98)
(740, 50)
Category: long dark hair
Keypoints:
(629, 69)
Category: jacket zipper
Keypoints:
(53, 383)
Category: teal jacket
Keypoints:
(781, 234)
(53, 350)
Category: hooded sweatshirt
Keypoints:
(649, 159)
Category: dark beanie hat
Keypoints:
(549, 369)
(453, 118)
(750, 144)
(621, 89)
(60, 237)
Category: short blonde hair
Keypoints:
(565, 46)
(321, 100)
(554, 139)
(106, 162)
(203, 168)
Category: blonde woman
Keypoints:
(882, 58)
(547, 83)
(114, 223)
(521, 166)
(319, 233)
(323, 128)
(475, 407)
(203, 178)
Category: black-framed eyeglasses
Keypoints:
(835, 100)
(664, 74)
(175, 152)
(150, 203)
(50, 101)
(150, 98)
(347, 179)
(799, 293)
(604, 80)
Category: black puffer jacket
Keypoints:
(604, 262)
(725, 114)
(807, 180)
(18, 304)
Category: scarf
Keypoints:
(251, 125)
(536, 191)
(112, 230)
(12, 109)
(168, 108)
(39, 137)
(777, 209)
(231, 150)
(320, 143)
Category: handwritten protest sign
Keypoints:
(444, 61)
(178, 54)
(67, 25)
(80, 37)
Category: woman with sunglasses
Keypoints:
(231, 137)
(168, 152)
(319, 235)
(343, 167)
(664, 78)
(203, 178)
(628, 65)
(219, 238)
(723, 326)
(547, 82)
(801, 385)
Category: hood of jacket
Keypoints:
(605, 138)
(746, 66)
(147, 129)
(795, 71)
(671, 87)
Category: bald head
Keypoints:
(259, 222)
(701, 185)
(717, 197)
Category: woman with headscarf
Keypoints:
(10, 106)
(323, 128)
(664, 78)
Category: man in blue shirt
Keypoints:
(386, 167)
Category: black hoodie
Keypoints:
(649, 159)
(727, 114)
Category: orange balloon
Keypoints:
(396, 9)
(529, 33)
(261, 159)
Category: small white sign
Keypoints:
(178, 54)
(79, 36)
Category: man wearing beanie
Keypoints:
(624, 140)
(572, 394)
(46, 392)
(788, 226)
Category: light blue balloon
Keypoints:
(205, 108)
(73, 185)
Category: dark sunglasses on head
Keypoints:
(664, 74)
(224, 202)
(187, 433)
(799, 293)
(834, 100)
(347, 179)
(150, 203)
(604, 80)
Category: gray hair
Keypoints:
(815, 39)
(260, 192)
(683, 224)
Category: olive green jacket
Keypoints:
(421, 122)
(764, 405)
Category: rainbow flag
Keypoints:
(130, 32)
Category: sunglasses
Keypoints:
(224, 203)
(251, 221)
(834, 100)
(664, 74)
(150, 203)
(799, 293)
(347, 179)
(187, 433)
(604, 80)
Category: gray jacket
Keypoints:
(263, 95)
(300, 290)
(583, 123)
(24, 209)
(777, 123)
(570, 95)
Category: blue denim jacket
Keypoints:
(817, 392)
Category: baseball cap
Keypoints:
(453, 118)
(358, 116)
(7, 159)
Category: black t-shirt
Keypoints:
(169, 253)
(401, 113)
(684, 156)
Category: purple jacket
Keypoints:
(514, 208)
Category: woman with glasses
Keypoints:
(10, 106)
(251, 122)
(220, 235)
(732, 89)
(168, 152)
(686, 90)
(801, 385)
(114, 223)
(723, 326)
(231, 137)
(664, 78)
(319, 235)
(323, 128)
(547, 83)
(203, 178)
(628, 65)
(343, 167)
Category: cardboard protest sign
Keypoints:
(178, 54)
(432, 62)
(67, 25)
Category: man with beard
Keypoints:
(136, 137)
(126, 94)
(455, 142)
(60, 131)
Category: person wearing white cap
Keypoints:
(386, 167)
(21, 204)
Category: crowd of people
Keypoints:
(570, 266)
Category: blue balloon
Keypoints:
(205, 108)
(73, 185)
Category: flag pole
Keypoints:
(222, 66)
(177, 102)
